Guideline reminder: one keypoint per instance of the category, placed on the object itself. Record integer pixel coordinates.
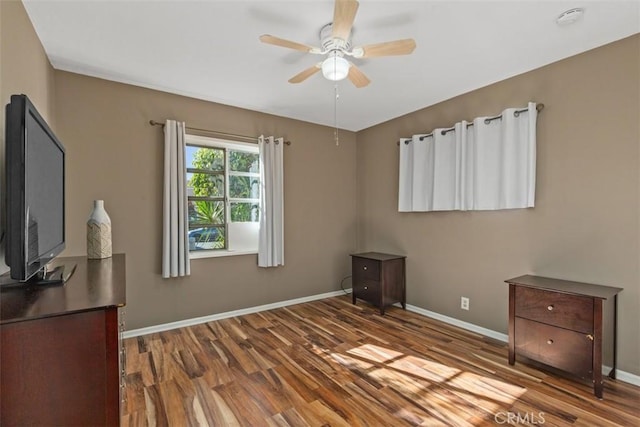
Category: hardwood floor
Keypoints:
(329, 363)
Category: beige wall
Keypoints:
(114, 154)
(585, 225)
(24, 68)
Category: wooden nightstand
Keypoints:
(559, 323)
(379, 279)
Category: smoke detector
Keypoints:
(570, 16)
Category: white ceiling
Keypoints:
(210, 49)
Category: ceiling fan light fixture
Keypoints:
(335, 68)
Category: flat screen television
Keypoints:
(35, 194)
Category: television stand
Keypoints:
(57, 276)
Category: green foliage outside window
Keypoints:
(204, 184)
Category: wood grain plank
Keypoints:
(154, 407)
(235, 404)
(172, 400)
(212, 407)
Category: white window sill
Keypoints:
(219, 253)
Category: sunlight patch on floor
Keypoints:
(375, 353)
(434, 387)
(490, 388)
(432, 371)
(351, 362)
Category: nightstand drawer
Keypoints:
(368, 290)
(364, 268)
(567, 350)
(556, 309)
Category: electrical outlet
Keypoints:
(464, 303)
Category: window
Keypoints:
(223, 192)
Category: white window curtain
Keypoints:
(271, 236)
(487, 165)
(175, 249)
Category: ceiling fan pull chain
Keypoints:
(335, 113)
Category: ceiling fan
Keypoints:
(335, 39)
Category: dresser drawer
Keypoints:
(368, 290)
(567, 350)
(554, 308)
(364, 268)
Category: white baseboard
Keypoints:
(204, 319)
(620, 375)
(459, 323)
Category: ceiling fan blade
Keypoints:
(300, 77)
(343, 15)
(269, 39)
(398, 47)
(357, 77)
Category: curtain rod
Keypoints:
(539, 108)
(215, 132)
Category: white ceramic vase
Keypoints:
(98, 232)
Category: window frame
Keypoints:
(192, 140)
(212, 173)
(229, 174)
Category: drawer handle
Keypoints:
(590, 337)
(366, 287)
(550, 307)
(364, 268)
(549, 342)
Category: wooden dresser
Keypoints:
(60, 347)
(560, 323)
(379, 279)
